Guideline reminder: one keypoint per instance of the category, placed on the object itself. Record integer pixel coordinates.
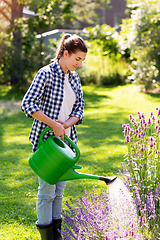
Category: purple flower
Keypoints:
(143, 115)
(127, 138)
(151, 144)
(149, 120)
(151, 139)
(144, 220)
(153, 118)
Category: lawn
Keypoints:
(101, 143)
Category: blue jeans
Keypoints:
(49, 201)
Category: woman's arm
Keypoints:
(57, 127)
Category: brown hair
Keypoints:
(71, 43)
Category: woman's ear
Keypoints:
(65, 54)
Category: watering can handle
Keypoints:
(41, 141)
(74, 146)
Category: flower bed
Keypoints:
(131, 209)
(142, 166)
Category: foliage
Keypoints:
(22, 55)
(20, 65)
(84, 11)
(105, 37)
(143, 166)
(140, 37)
(103, 46)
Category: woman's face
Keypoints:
(74, 60)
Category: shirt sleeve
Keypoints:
(31, 100)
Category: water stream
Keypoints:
(124, 219)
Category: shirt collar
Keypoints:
(59, 69)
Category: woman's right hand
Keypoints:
(58, 129)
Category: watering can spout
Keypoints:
(71, 174)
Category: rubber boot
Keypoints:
(56, 228)
(46, 231)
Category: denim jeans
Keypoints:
(49, 201)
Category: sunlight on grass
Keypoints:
(18, 232)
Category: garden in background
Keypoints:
(119, 135)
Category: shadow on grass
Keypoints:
(96, 132)
(154, 95)
(93, 99)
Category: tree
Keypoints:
(85, 10)
(141, 34)
(49, 14)
(10, 11)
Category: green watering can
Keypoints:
(54, 161)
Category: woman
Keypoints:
(55, 99)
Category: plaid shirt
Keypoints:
(46, 94)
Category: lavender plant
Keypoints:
(143, 157)
(101, 217)
(142, 167)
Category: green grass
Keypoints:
(101, 143)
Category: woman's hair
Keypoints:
(71, 43)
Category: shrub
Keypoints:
(140, 37)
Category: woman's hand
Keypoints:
(64, 124)
(58, 129)
(69, 122)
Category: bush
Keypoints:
(105, 65)
(140, 37)
(17, 66)
(112, 79)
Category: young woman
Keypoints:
(55, 99)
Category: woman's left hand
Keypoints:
(69, 122)
(64, 124)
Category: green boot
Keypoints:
(56, 227)
(46, 231)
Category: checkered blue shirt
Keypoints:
(46, 94)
